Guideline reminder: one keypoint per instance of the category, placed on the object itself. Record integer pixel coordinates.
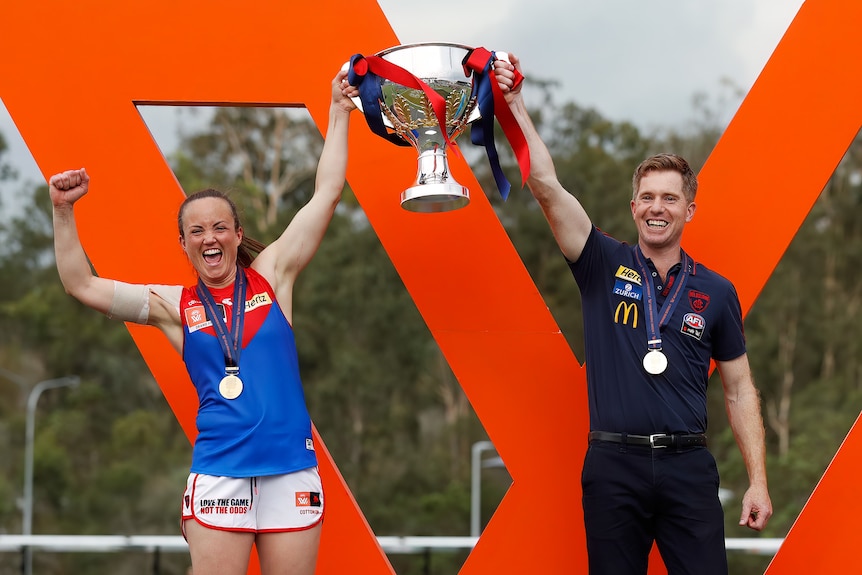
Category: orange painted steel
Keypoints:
(71, 84)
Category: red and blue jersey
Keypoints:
(706, 324)
(267, 429)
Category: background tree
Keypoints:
(110, 457)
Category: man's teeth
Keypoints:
(656, 224)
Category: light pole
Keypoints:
(476, 483)
(32, 399)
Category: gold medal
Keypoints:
(230, 386)
(655, 362)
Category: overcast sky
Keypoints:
(636, 60)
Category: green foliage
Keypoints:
(110, 457)
(803, 340)
(7, 171)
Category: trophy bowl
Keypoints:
(409, 114)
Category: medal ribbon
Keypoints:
(368, 72)
(656, 319)
(492, 103)
(231, 342)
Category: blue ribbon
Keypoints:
(482, 130)
(371, 95)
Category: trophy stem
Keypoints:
(434, 190)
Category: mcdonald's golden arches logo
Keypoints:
(628, 309)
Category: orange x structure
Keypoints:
(73, 73)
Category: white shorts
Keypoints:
(290, 502)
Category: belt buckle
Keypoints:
(652, 439)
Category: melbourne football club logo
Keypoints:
(698, 300)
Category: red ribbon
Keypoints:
(389, 71)
(477, 61)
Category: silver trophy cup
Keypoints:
(408, 112)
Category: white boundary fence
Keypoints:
(158, 544)
(176, 543)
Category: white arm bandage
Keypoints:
(131, 302)
(171, 294)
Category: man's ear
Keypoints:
(690, 212)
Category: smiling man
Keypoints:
(654, 320)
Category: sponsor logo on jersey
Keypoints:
(257, 300)
(628, 289)
(693, 325)
(628, 274)
(699, 301)
(196, 318)
(624, 311)
(309, 444)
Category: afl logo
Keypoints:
(693, 324)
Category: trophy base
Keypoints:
(433, 198)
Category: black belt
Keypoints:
(656, 440)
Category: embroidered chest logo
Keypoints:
(699, 301)
(693, 325)
(628, 283)
(624, 311)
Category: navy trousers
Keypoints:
(634, 495)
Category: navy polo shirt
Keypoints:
(705, 324)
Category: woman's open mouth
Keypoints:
(212, 256)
